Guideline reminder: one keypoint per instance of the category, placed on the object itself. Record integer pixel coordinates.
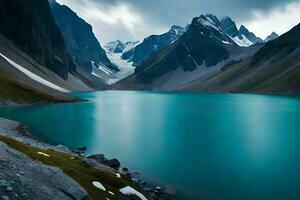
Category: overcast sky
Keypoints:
(132, 20)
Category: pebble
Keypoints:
(9, 189)
(158, 188)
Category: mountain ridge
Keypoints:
(271, 67)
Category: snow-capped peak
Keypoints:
(118, 46)
(226, 26)
(207, 21)
(178, 30)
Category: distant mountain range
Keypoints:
(213, 55)
(141, 51)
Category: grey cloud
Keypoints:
(159, 15)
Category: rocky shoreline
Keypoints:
(18, 132)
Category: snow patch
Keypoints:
(126, 68)
(130, 191)
(208, 23)
(244, 42)
(34, 76)
(98, 185)
(44, 154)
(118, 175)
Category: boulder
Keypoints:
(98, 157)
(113, 163)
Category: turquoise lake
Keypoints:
(207, 146)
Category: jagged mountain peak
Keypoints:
(213, 18)
(207, 21)
(226, 25)
(118, 46)
(229, 27)
(151, 44)
(271, 37)
(251, 36)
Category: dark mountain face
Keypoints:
(29, 24)
(152, 44)
(274, 68)
(251, 36)
(80, 39)
(202, 43)
(281, 46)
(229, 27)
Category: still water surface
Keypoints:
(207, 146)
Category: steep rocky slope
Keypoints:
(86, 52)
(29, 24)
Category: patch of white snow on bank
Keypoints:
(97, 184)
(44, 154)
(34, 76)
(118, 175)
(130, 191)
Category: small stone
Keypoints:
(9, 189)
(125, 169)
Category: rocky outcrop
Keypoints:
(24, 179)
